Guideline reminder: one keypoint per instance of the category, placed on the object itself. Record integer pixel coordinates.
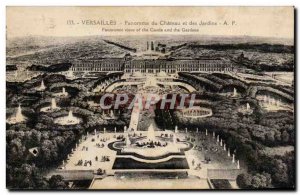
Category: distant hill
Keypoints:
(44, 51)
(52, 68)
(43, 41)
(271, 48)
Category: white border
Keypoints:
(5, 3)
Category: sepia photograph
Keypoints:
(150, 98)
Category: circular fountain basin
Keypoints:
(14, 120)
(245, 111)
(270, 103)
(61, 94)
(167, 148)
(67, 120)
(49, 109)
(40, 89)
(17, 118)
(198, 112)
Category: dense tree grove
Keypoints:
(53, 142)
(248, 135)
(52, 146)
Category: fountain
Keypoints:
(228, 154)
(67, 120)
(151, 133)
(157, 147)
(18, 118)
(63, 93)
(233, 158)
(245, 109)
(265, 99)
(176, 129)
(248, 106)
(53, 107)
(53, 104)
(127, 140)
(206, 133)
(70, 117)
(197, 112)
(224, 147)
(42, 87)
(19, 115)
(234, 92)
(150, 145)
(112, 114)
(238, 164)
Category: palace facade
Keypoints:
(149, 66)
(99, 65)
(170, 66)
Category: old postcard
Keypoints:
(150, 98)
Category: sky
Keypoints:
(275, 22)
